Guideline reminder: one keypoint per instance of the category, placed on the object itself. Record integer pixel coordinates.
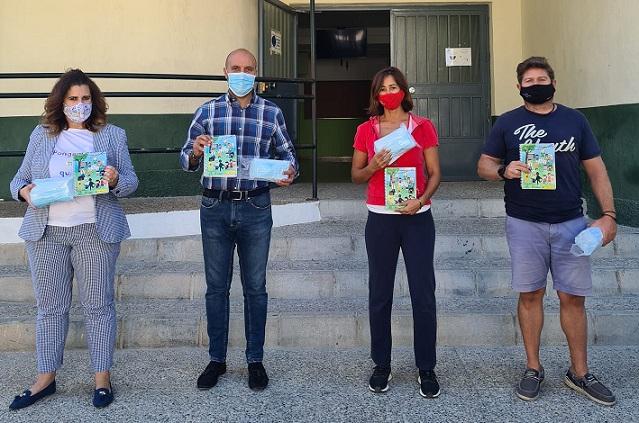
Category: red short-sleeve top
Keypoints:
(424, 133)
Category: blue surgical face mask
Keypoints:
(240, 83)
(78, 113)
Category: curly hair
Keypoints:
(54, 118)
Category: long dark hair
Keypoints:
(54, 119)
(375, 108)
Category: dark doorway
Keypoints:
(456, 97)
(343, 72)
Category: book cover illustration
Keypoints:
(88, 173)
(399, 186)
(220, 158)
(540, 159)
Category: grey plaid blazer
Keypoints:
(111, 222)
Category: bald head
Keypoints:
(241, 57)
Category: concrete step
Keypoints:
(342, 239)
(305, 279)
(330, 323)
(323, 385)
(441, 208)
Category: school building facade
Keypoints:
(592, 45)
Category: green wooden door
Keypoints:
(455, 98)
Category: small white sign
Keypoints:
(460, 56)
(276, 42)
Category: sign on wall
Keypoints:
(276, 42)
(460, 56)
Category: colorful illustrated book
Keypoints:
(268, 169)
(88, 173)
(397, 142)
(220, 158)
(399, 186)
(540, 159)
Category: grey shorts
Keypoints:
(536, 248)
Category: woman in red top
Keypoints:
(409, 227)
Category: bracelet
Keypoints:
(610, 211)
(609, 215)
(420, 203)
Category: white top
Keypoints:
(375, 208)
(80, 210)
(383, 210)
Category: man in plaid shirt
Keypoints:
(237, 211)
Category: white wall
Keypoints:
(148, 36)
(592, 45)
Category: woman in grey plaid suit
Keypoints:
(79, 237)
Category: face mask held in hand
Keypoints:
(587, 242)
(391, 101)
(240, 83)
(78, 113)
(537, 94)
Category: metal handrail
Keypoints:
(133, 75)
(151, 94)
(157, 150)
(165, 94)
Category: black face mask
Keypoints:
(537, 94)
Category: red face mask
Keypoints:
(391, 101)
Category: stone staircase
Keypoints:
(317, 284)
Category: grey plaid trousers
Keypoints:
(54, 259)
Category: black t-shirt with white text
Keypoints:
(574, 141)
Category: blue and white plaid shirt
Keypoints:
(259, 128)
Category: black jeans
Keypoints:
(385, 234)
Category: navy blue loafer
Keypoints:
(26, 399)
(102, 397)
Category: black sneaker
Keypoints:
(590, 387)
(530, 384)
(210, 375)
(428, 384)
(378, 382)
(258, 379)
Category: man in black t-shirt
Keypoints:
(541, 224)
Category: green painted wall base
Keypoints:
(617, 129)
(160, 174)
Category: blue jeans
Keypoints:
(225, 224)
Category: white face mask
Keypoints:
(78, 113)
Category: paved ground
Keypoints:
(157, 385)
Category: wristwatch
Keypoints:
(501, 171)
(20, 197)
